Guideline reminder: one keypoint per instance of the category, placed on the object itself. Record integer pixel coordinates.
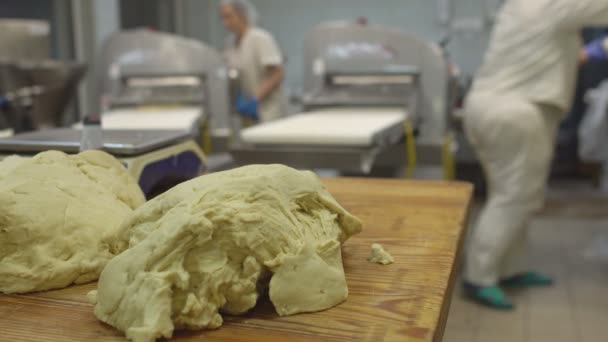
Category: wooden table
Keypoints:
(422, 224)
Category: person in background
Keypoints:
(590, 76)
(520, 94)
(257, 57)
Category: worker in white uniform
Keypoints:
(521, 93)
(257, 57)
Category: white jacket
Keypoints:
(534, 49)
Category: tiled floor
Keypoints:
(576, 308)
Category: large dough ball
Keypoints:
(213, 244)
(57, 212)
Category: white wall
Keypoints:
(289, 20)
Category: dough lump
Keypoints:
(379, 255)
(213, 244)
(55, 213)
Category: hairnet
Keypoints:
(244, 8)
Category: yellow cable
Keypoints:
(449, 172)
(206, 137)
(410, 149)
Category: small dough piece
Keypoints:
(379, 255)
(215, 243)
(56, 211)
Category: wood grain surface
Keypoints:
(421, 224)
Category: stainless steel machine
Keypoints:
(24, 39)
(155, 80)
(35, 94)
(367, 90)
(34, 90)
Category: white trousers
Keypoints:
(514, 140)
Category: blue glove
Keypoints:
(598, 49)
(247, 107)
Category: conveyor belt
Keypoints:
(347, 127)
(157, 118)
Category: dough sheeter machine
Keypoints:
(155, 80)
(158, 91)
(367, 89)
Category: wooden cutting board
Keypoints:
(422, 224)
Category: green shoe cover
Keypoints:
(491, 296)
(527, 279)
